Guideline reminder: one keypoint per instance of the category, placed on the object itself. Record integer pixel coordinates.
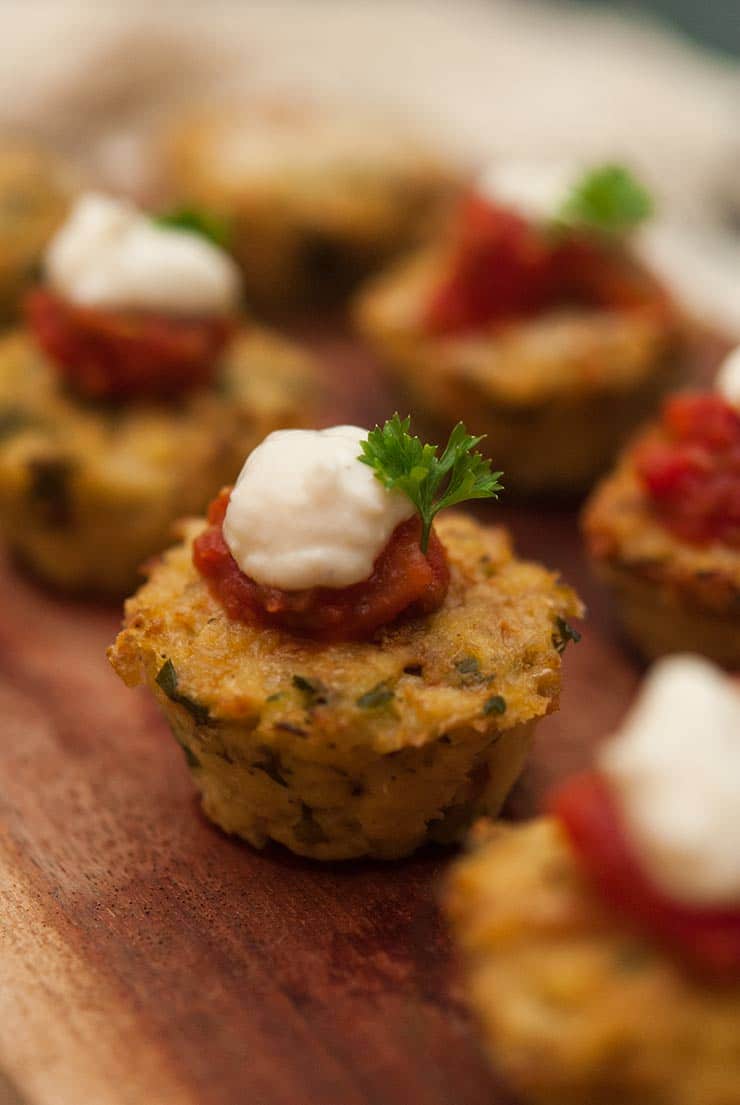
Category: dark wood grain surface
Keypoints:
(146, 958)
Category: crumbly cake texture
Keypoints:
(672, 596)
(556, 395)
(574, 1007)
(305, 230)
(359, 748)
(88, 492)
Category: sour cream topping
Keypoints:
(675, 771)
(305, 512)
(535, 189)
(727, 382)
(110, 254)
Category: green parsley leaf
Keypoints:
(608, 198)
(468, 665)
(564, 633)
(214, 228)
(495, 705)
(313, 690)
(167, 679)
(379, 695)
(431, 482)
(272, 765)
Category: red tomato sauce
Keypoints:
(691, 469)
(706, 938)
(505, 268)
(405, 582)
(118, 355)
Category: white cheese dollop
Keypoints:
(675, 771)
(305, 512)
(535, 189)
(727, 382)
(109, 254)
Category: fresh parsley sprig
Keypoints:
(431, 482)
(214, 228)
(607, 198)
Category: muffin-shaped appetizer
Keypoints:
(344, 677)
(133, 394)
(602, 944)
(664, 529)
(35, 192)
(315, 197)
(534, 321)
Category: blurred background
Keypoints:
(656, 83)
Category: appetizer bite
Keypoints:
(664, 528)
(601, 944)
(134, 391)
(36, 190)
(347, 675)
(316, 197)
(535, 321)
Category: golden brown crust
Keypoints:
(310, 222)
(672, 595)
(556, 395)
(88, 492)
(576, 1008)
(412, 717)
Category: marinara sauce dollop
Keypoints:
(690, 469)
(504, 267)
(708, 939)
(120, 355)
(404, 582)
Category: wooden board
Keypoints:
(147, 959)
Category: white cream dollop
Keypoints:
(110, 254)
(535, 189)
(305, 512)
(727, 382)
(675, 771)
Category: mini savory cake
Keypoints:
(601, 945)
(345, 677)
(535, 321)
(133, 393)
(35, 192)
(664, 529)
(316, 197)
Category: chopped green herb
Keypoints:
(564, 634)
(432, 483)
(469, 671)
(167, 680)
(468, 665)
(377, 696)
(274, 697)
(214, 228)
(313, 690)
(608, 198)
(272, 766)
(495, 705)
